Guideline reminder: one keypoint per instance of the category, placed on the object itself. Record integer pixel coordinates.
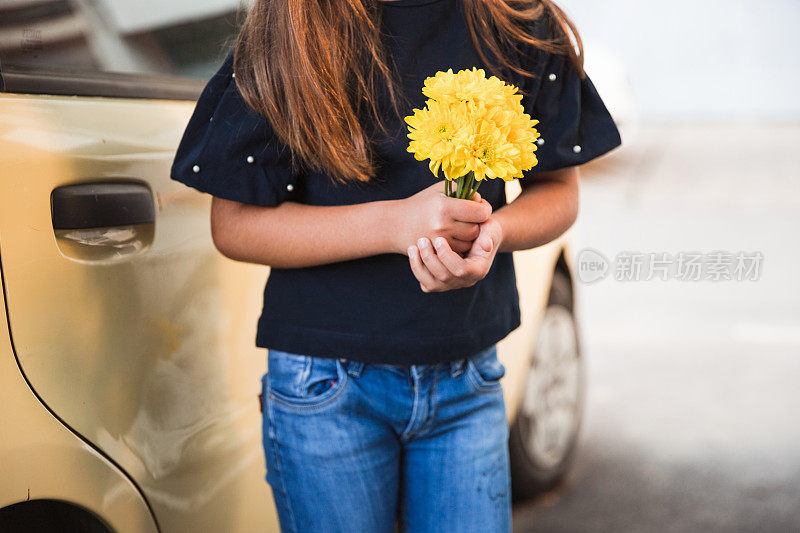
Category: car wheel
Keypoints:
(543, 435)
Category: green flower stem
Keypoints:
(470, 183)
(466, 186)
(477, 184)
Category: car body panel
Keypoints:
(148, 355)
(534, 269)
(40, 458)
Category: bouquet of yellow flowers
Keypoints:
(473, 128)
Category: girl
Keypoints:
(386, 298)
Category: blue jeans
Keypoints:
(355, 447)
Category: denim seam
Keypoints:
(431, 407)
(407, 433)
(299, 406)
(477, 382)
(277, 458)
(305, 374)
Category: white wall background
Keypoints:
(698, 59)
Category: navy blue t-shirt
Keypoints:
(372, 309)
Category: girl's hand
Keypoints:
(433, 214)
(438, 268)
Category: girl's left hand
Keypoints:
(438, 268)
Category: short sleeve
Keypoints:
(230, 151)
(574, 124)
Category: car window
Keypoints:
(173, 37)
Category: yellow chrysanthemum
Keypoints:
(433, 131)
(471, 123)
(472, 86)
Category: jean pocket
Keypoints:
(303, 381)
(484, 370)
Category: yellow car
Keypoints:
(129, 377)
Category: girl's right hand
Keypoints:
(430, 213)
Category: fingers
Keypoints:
(421, 272)
(456, 264)
(468, 210)
(431, 260)
(465, 231)
(460, 246)
(483, 247)
(438, 267)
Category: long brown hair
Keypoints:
(313, 68)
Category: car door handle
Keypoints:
(101, 204)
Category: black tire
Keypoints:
(531, 474)
(50, 516)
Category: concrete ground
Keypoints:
(692, 418)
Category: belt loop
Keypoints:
(354, 368)
(457, 367)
